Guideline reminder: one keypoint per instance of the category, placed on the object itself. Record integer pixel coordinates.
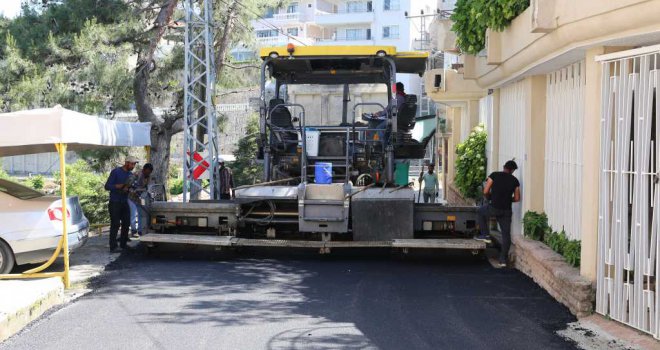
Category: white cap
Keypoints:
(131, 159)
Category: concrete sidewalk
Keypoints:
(23, 301)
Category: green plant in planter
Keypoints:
(535, 225)
(557, 241)
(472, 18)
(471, 164)
(572, 251)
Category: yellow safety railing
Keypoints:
(63, 244)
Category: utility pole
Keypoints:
(200, 147)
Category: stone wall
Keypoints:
(550, 271)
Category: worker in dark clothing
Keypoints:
(502, 188)
(226, 181)
(120, 213)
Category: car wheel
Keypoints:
(6, 258)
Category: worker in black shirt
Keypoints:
(502, 188)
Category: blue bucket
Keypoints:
(323, 173)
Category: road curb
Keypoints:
(39, 295)
(11, 324)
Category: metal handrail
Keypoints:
(303, 135)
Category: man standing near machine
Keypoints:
(120, 212)
(226, 181)
(503, 189)
(431, 186)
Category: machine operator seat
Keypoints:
(280, 119)
(406, 113)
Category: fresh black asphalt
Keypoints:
(264, 300)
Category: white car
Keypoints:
(31, 225)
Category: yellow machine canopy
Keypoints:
(340, 64)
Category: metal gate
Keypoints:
(514, 103)
(563, 148)
(629, 218)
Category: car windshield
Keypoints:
(19, 191)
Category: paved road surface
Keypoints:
(258, 301)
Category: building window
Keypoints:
(292, 31)
(391, 5)
(266, 33)
(358, 34)
(356, 6)
(390, 32)
(292, 8)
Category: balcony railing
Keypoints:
(283, 40)
(362, 36)
(344, 10)
(295, 16)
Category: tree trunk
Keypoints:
(162, 128)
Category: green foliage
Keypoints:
(472, 18)
(36, 182)
(560, 243)
(176, 186)
(471, 163)
(89, 187)
(104, 159)
(74, 52)
(572, 251)
(535, 225)
(246, 171)
(557, 241)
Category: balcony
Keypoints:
(282, 40)
(287, 17)
(344, 16)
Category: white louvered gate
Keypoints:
(629, 214)
(563, 148)
(514, 100)
(486, 118)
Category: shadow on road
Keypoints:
(351, 300)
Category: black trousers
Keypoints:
(120, 215)
(503, 217)
(225, 195)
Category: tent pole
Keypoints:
(61, 149)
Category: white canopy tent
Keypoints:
(37, 130)
(41, 130)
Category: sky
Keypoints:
(10, 8)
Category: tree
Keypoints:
(77, 53)
(245, 169)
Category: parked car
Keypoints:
(31, 225)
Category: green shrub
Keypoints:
(89, 187)
(557, 241)
(176, 186)
(572, 251)
(472, 18)
(36, 182)
(535, 225)
(471, 164)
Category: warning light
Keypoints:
(290, 48)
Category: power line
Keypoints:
(264, 21)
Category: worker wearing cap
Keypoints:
(502, 189)
(225, 180)
(118, 185)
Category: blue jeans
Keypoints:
(134, 216)
(143, 219)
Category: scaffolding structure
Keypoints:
(200, 123)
